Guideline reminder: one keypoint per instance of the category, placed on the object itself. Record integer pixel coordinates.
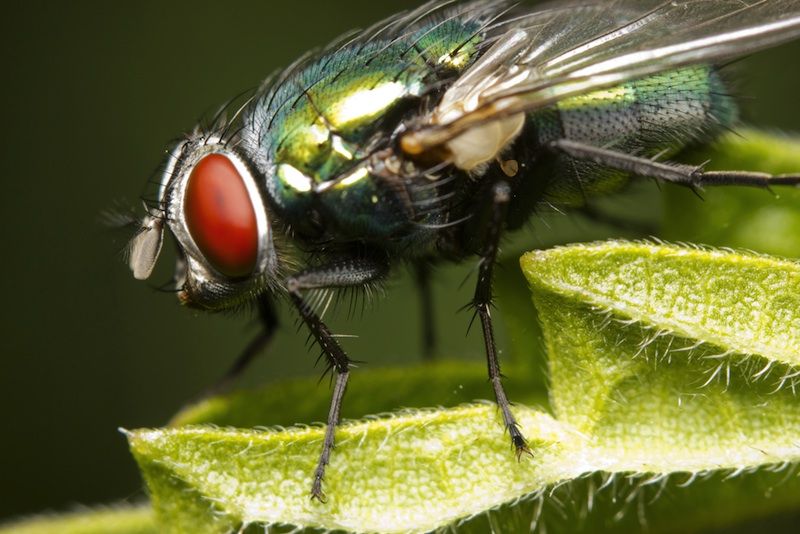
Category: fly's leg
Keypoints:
(688, 175)
(422, 276)
(346, 273)
(269, 324)
(482, 302)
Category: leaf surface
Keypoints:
(665, 362)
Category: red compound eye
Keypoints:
(220, 216)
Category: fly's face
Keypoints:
(210, 201)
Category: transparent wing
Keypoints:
(564, 49)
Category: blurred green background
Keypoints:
(93, 92)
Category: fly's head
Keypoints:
(210, 201)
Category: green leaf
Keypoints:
(676, 352)
(673, 346)
(664, 361)
(418, 470)
(122, 519)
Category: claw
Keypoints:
(520, 443)
(521, 448)
(317, 493)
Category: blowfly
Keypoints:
(427, 137)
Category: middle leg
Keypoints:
(482, 303)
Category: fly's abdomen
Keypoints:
(654, 116)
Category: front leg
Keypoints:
(482, 302)
(350, 272)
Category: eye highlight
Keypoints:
(220, 216)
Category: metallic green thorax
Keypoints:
(327, 120)
(317, 126)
